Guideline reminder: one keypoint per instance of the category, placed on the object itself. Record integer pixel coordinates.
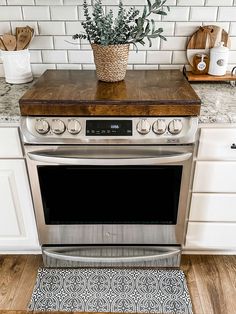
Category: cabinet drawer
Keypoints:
(216, 144)
(10, 145)
(202, 235)
(215, 176)
(213, 207)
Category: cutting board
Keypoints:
(204, 38)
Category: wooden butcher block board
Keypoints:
(204, 38)
(142, 93)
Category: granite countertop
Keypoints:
(218, 101)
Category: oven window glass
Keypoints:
(110, 194)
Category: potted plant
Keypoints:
(110, 37)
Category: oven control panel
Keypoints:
(72, 130)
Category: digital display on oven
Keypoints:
(109, 127)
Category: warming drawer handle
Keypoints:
(67, 160)
(117, 259)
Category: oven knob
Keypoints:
(175, 126)
(42, 126)
(143, 126)
(159, 127)
(58, 126)
(73, 126)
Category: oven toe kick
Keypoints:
(111, 256)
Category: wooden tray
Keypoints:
(229, 76)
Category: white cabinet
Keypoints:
(17, 222)
(212, 218)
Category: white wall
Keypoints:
(55, 21)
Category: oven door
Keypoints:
(110, 195)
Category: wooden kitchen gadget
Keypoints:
(142, 93)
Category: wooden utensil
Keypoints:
(2, 47)
(9, 42)
(23, 39)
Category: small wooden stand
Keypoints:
(229, 76)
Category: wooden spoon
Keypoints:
(23, 39)
(2, 47)
(9, 42)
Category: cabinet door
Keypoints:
(215, 144)
(17, 223)
(215, 176)
(213, 207)
(209, 235)
(10, 145)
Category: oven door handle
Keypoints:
(161, 253)
(45, 157)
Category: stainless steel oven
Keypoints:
(110, 191)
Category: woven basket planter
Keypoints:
(111, 61)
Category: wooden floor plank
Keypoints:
(211, 283)
(186, 266)
(11, 268)
(26, 283)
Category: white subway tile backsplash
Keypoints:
(66, 42)
(21, 2)
(227, 14)
(232, 57)
(36, 13)
(171, 67)
(179, 57)
(68, 66)
(159, 57)
(193, 2)
(64, 13)
(42, 42)
(145, 67)
(74, 28)
(75, 2)
(233, 43)
(174, 43)
(137, 57)
(49, 2)
(55, 21)
(186, 29)
(203, 13)
(51, 28)
(54, 56)
(10, 13)
(39, 69)
(35, 56)
(5, 27)
(177, 14)
(232, 31)
(219, 2)
(85, 56)
(168, 27)
(88, 66)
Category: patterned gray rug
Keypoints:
(111, 290)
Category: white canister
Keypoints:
(219, 57)
(16, 65)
